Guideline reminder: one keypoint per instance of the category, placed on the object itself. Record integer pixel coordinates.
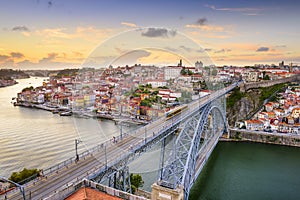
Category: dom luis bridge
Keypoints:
(198, 127)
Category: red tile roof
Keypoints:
(86, 193)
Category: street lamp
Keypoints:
(76, 151)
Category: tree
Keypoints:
(214, 72)
(145, 102)
(183, 71)
(28, 89)
(149, 86)
(267, 77)
(136, 181)
(22, 175)
(264, 74)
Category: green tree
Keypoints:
(214, 72)
(22, 175)
(267, 77)
(146, 102)
(28, 89)
(148, 86)
(235, 96)
(183, 71)
(264, 74)
(136, 181)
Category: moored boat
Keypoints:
(67, 113)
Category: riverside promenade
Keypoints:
(263, 137)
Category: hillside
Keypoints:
(241, 105)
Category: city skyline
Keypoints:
(59, 34)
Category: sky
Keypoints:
(52, 34)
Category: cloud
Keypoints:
(241, 9)
(201, 21)
(50, 57)
(223, 50)
(131, 57)
(253, 14)
(50, 4)
(159, 32)
(49, 61)
(186, 48)
(77, 54)
(262, 49)
(202, 25)
(247, 10)
(89, 33)
(280, 46)
(3, 58)
(208, 49)
(171, 49)
(54, 33)
(206, 27)
(20, 28)
(9, 60)
(6, 61)
(129, 24)
(16, 55)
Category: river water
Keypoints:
(249, 171)
(35, 138)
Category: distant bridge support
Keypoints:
(163, 193)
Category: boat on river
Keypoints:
(66, 113)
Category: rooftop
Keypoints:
(86, 193)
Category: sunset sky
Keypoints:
(51, 34)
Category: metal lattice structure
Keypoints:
(120, 180)
(199, 127)
(198, 137)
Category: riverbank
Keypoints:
(7, 83)
(263, 137)
(82, 114)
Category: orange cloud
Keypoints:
(210, 28)
(129, 24)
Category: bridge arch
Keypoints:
(196, 140)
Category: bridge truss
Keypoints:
(194, 144)
(199, 128)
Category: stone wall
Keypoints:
(264, 137)
(246, 86)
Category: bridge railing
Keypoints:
(66, 163)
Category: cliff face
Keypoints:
(243, 107)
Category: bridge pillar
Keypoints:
(163, 193)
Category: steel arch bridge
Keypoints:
(193, 146)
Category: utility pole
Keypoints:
(121, 129)
(145, 134)
(76, 151)
(105, 156)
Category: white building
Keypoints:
(172, 72)
(157, 83)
